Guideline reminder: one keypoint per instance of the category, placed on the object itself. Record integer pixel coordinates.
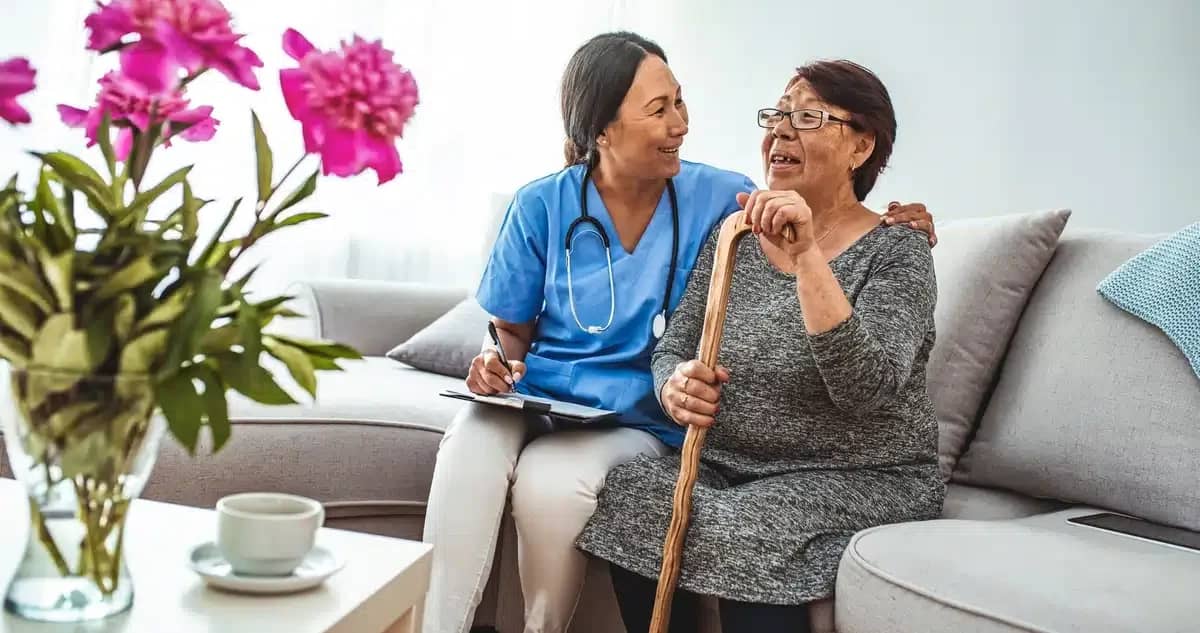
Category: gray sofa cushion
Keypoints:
(1034, 574)
(988, 504)
(986, 269)
(447, 345)
(1093, 404)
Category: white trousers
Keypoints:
(486, 453)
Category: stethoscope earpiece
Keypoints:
(659, 325)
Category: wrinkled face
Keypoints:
(812, 161)
(650, 124)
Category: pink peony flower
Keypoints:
(173, 34)
(16, 78)
(352, 104)
(131, 105)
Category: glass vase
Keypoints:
(83, 445)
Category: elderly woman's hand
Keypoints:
(768, 212)
(693, 393)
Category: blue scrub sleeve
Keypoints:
(512, 287)
(747, 187)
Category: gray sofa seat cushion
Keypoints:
(374, 389)
(365, 449)
(1093, 405)
(987, 504)
(1039, 573)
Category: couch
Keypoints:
(1086, 407)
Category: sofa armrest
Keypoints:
(370, 316)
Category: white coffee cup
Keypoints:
(267, 533)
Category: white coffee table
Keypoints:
(381, 588)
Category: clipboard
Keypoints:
(556, 409)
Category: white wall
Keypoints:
(1003, 106)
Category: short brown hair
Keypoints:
(856, 89)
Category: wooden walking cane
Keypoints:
(732, 230)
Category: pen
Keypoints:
(500, 351)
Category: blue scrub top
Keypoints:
(526, 278)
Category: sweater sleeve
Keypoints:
(682, 338)
(867, 359)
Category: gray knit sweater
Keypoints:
(818, 436)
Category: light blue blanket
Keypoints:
(1161, 285)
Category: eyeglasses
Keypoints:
(801, 119)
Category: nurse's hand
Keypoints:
(488, 376)
(693, 393)
(915, 215)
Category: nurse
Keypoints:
(587, 267)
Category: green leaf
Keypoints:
(298, 364)
(182, 406)
(123, 316)
(58, 270)
(219, 254)
(18, 314)
(143, 200)
(216, 408)
(14, 350)
(67, 419)
(100, 335)
(207, 254)
(22, 281)
(58, 345)
(321, 348)
(218, 340)
(296, 197)
(321, 363)
(248, 378)
(134, 274)
(64, 224)
(262, 150)
(85, 455)
(104, 141)
(197, 318)
(299, 218)
(190, 212)
(139, 356)
(166, 311)
(79, 175)
(250, 333)
(68, 203)
(274, 302)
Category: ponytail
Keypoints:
(573, 153)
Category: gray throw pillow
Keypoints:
(986, 270)
(447, 345)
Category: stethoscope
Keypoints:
(659, 325)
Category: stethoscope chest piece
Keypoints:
(660, 325)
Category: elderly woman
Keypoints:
(821, 424)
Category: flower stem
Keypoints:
(46, 539)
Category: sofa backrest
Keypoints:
(1092, 404)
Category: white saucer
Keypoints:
(205, 559)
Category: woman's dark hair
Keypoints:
(594, 85)
(852, 87)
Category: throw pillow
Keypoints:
(986, 270)
(447, 345)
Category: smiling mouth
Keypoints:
(672, 151)
(783, 160)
